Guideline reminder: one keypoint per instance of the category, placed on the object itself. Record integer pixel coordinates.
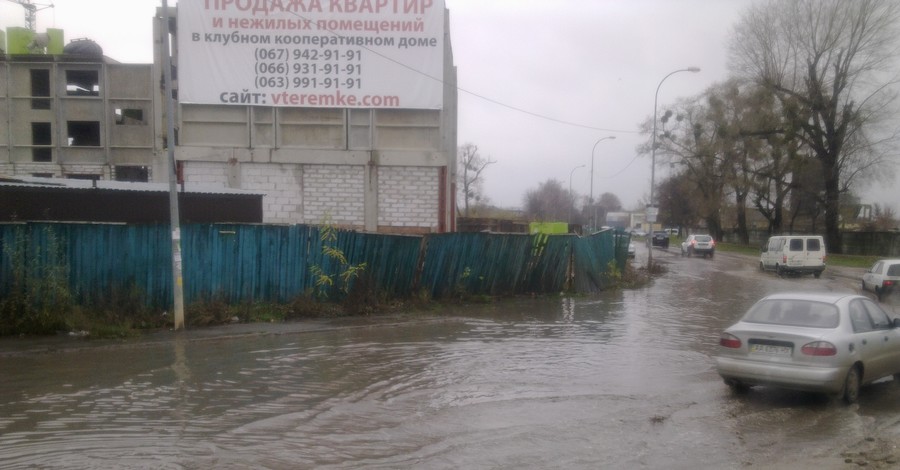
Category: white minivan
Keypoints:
(794, 254)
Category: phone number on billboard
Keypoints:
(306, 68)
(308, 54)
(308, 82)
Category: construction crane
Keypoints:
(31, 10)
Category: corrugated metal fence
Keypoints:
(247, 263)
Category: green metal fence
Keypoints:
(247, 263)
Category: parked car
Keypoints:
(659, 238)
(882, 278)
(631, 250)
(825, 342)
(698, 245)
(794, 254)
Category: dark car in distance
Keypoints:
(659, 238)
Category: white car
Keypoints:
(882, 277)
(825, 342)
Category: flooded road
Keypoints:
(623, 379)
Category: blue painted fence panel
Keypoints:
(252, 263)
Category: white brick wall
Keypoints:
(335, 193)
(206, 173)
(283, 185)
(311, 194)
(408, 197)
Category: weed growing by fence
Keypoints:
(326, 288)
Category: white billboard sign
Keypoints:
(312, 53)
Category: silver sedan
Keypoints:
(820, 342)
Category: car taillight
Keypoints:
(693, 242)
(712, 243)
(784, 259)
(819, 348)
(886, 283)
(728, 340)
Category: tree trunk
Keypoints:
(741, 204)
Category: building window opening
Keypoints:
(82, 83)
(83, 176)
(40, 86)
(41, 139)
(133, 173)
(83, 133)
(130, 117)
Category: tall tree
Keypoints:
(824, 60)
(610, 202)
(693, 141)
(550, 202)
(470, 166)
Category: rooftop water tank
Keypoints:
(83, 47)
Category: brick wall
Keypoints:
(407, 197)
(282, 184)
(335, 193)
(311, 194)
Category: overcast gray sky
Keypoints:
(541, 80)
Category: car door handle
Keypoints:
(865, 342)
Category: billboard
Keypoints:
(312, 53)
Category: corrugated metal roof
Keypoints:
(66, 183)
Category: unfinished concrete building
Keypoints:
(70, 112)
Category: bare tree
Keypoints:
(470, 166)
(824, 60)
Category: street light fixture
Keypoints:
(569, 218)
(591, 198)
(653, 164)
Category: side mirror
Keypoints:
(896, 323)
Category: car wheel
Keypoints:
(762, 267)
(690, 252)
(850, 394)
(711, 253)
(737, 386)
(879, 293)
(863, 286)
(817, 274)
(779, 270)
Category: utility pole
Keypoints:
(178, 282)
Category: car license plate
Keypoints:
(770, 350)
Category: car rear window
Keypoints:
(704, 238)
(894, 270)
(813, 244)
(793, 312)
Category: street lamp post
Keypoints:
(653, 164)
(591, 198)
(569, 217)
